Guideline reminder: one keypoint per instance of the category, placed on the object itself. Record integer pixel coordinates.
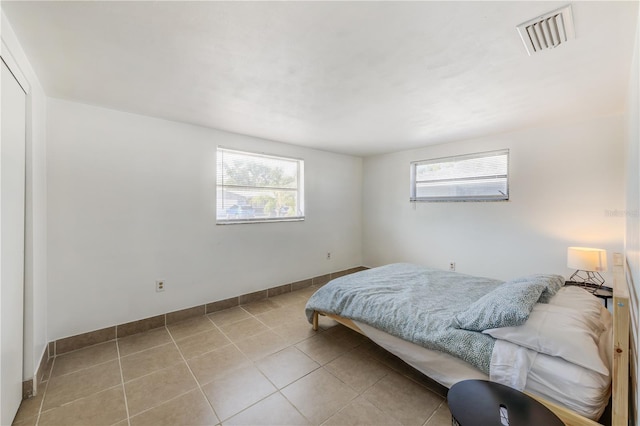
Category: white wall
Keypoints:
(35, 292)
(132, 200)
(562, 181)
(632, 211)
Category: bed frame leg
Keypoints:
(315, 320)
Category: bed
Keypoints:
(453, 327)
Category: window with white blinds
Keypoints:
(474, 177)
(253, 187)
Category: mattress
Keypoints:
(554, 379)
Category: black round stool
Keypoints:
(484, 403)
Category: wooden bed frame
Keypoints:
(620, 371)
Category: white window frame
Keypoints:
(220, 185)
(462, 180)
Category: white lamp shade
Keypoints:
(587, 259)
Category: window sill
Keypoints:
(264, 220)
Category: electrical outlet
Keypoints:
(328, 255)
(452, 266)
(159, 286)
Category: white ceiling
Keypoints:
(353, 77)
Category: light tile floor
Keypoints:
(258, 364)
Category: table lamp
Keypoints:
(588, 263)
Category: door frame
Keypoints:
(14, 69)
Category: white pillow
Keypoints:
(581, 300)
(557, 331)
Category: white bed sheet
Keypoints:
(579, 389)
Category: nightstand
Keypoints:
(484, 403)
(605, 293)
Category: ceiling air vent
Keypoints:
(547, 31)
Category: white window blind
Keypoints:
(474, 177)
(253, 187)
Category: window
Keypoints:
(473, 177)
(254, 187)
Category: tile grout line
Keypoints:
(434, 412)
(44, 393)
(390, 370)
(347, 384)
(291, 403)
(278, 390)
(146, 349)
(265, 324)
(174, 342)
(164, 402)
(76, 399)
(153, 372)
(271, 329)
(231, 340)
(258, 368)
(414, 380)
(194, 376)
(85, 368)
(292, 345)
(404, 374)
(124, 390)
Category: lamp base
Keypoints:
(589, 279)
